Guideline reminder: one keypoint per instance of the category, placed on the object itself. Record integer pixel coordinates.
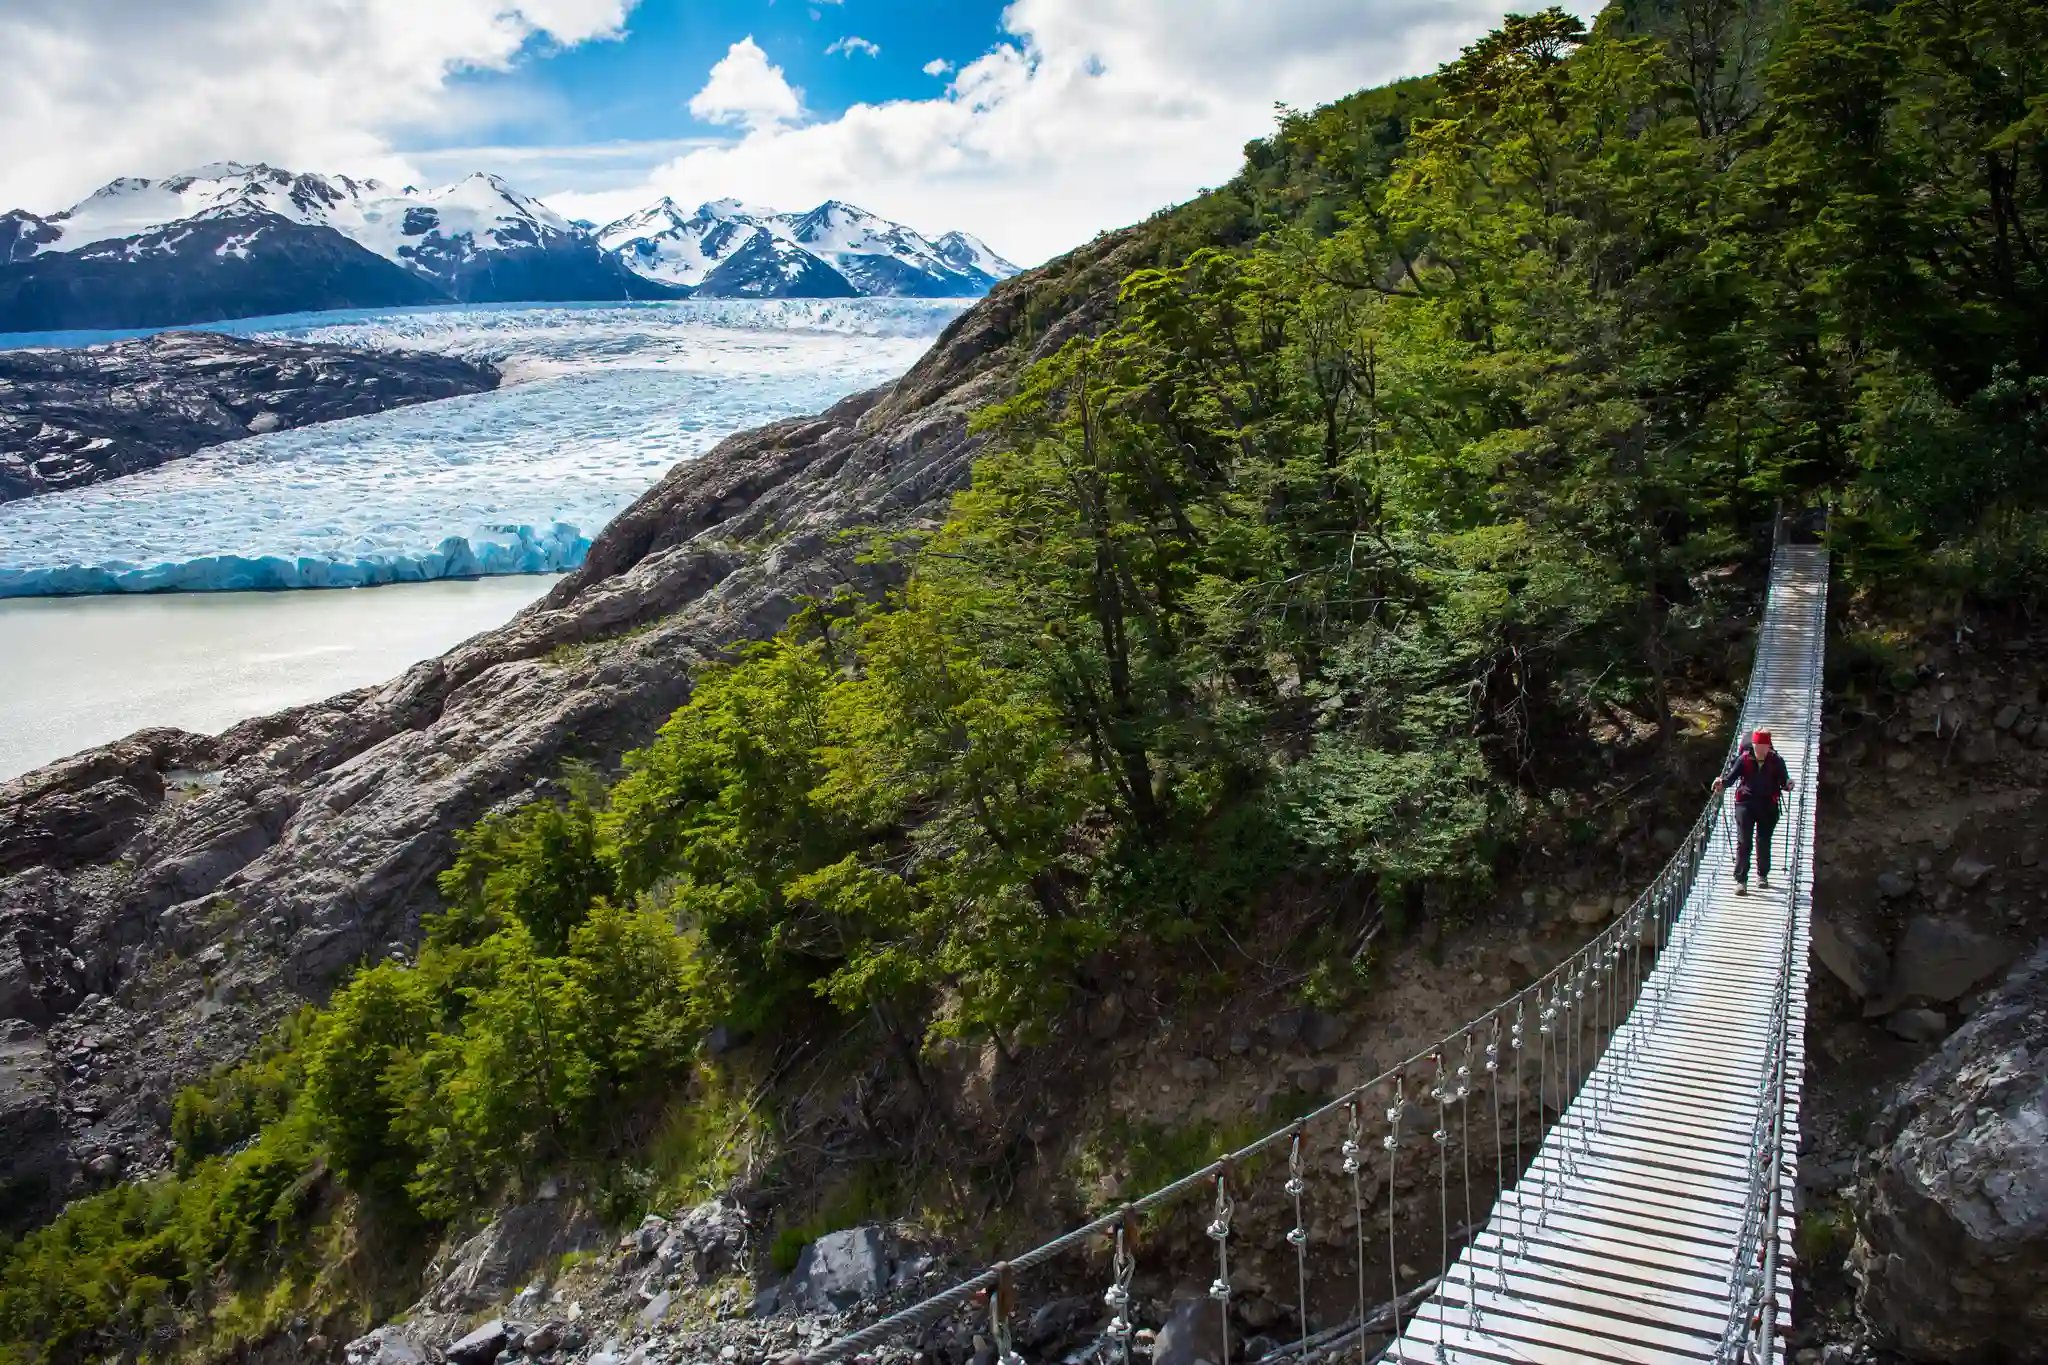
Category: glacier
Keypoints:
(598, 402)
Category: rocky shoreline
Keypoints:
(72, 417)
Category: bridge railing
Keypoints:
(1752, 1299)
(1752, 1331)
(1594, 989)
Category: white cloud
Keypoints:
(1090, 115)
(937, 66)
(563, 167)
(746, 89)
(850, 45)
(100, 88)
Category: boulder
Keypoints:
(1894, 885)
(1918, 1025)
(710, 1240)
(1192, 1332)
(1854, 958)
(1319, 1031)
(911, 1270)
(387, 1345)
(724, 1038)
(649, 1236)
(1313, 1078)
(1979, 747)
(1308, 1027)
(1056, 1322)
(482, 1346)
(1106, 1016)
(1939, 957)
(838, 1270)
(1951, 1252)
(1590, 910)
(1967, 871)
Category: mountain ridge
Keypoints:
(870, 254)
(234, 239)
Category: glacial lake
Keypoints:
(79, 671)
(599, 401)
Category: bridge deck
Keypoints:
(1618, 1244)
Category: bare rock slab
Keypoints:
(1940, 957)
(838, 1271)
(1952, 1212)
(1852, 956)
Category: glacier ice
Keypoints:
(600, 401)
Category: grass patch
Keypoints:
(705, 1140)
(570, 655)
(1874, 657)
(1824, 1236)
(870, 1193)
(1127, 1158)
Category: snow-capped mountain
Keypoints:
(199, 269)
(767, 267)
(968, 253)
(663, 243)
(234, 240)
(719, 244)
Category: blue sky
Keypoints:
(629, 89)
(1050, 121)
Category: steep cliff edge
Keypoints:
(165, 899)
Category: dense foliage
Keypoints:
(1426, 441)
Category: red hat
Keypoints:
(1761, 737)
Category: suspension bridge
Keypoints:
(1643, 1103)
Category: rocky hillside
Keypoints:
(166, 899)
(74, 417)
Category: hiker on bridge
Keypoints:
(1760, 778)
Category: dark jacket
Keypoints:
(1758, 785)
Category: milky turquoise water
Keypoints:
(79, 671)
